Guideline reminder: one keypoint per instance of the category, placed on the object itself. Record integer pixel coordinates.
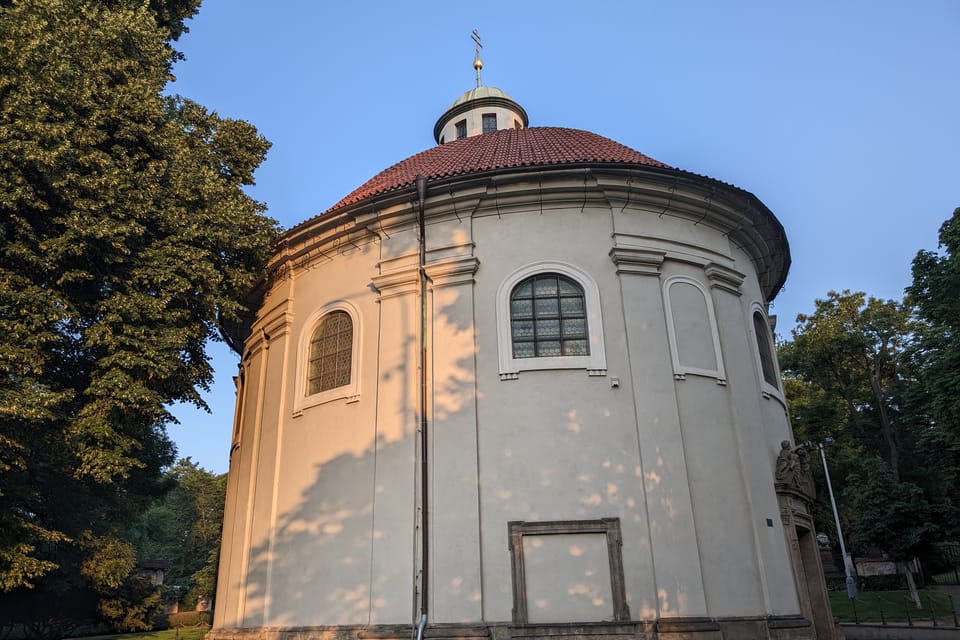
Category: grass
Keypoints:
(892, 606)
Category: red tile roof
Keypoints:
(508, 148)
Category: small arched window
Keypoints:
(331, 351)
(548, 317)
(765, 350)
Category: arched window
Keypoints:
(331, 351)
(764, 349)
(548, 317)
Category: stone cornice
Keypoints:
(640, 262)
(724, 278)
(397, 282)
(452, 271)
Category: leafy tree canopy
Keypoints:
(892, 516)
(125, 234)
(936, 293)
(851, 348)
(183, 531)
(875, 376)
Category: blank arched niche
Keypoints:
(692, 329)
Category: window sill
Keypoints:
(344, 393)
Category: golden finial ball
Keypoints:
(477, 64)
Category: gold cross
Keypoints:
(477, 62)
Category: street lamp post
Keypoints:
(847, 563)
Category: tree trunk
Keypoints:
(886, 427)
(911, 585)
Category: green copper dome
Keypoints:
(480, 92)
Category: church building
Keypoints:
(519, 385)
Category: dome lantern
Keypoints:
(480, 110)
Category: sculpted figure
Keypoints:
(793, 467)
(788, 463)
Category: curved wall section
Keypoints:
(627, 483)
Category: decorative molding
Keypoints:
(349, 391)
(724, 278)
(595, 364)
(680, 370)
(452, 272)
(609, 527)
(398, 282)
(694, 253)
(787, 622)
(767, 390)
(276, 325)
(451, 251)
(640, 262)
(686, 625)
(686, 628)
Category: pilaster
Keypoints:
(672, 531)
(454, 479)
(394, 500)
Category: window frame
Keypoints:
(349, 391)
(767, 389)
(680, 370)
(457, 127)
(510, 367)
(484, 119)
(608, 527)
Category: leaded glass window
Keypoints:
(489, 122)
(548, 317)
(331, 350)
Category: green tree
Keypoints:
(890, 515)
(125, 238)
(936, 294)
(851, 375)
(853, 349)
(183, 531)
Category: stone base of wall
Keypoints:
(769, 628)
(898, 632)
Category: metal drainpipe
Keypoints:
(424, 494)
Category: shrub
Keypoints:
(189, 619)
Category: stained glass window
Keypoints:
(331, 351)
(489, 122)
(548, 317)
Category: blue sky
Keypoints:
(843, 116)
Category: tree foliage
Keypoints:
(890, 515)
(125, 234)
(183, 531)
(881, 379)
(936, 293)
(853, 348)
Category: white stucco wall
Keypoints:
(322, 499)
